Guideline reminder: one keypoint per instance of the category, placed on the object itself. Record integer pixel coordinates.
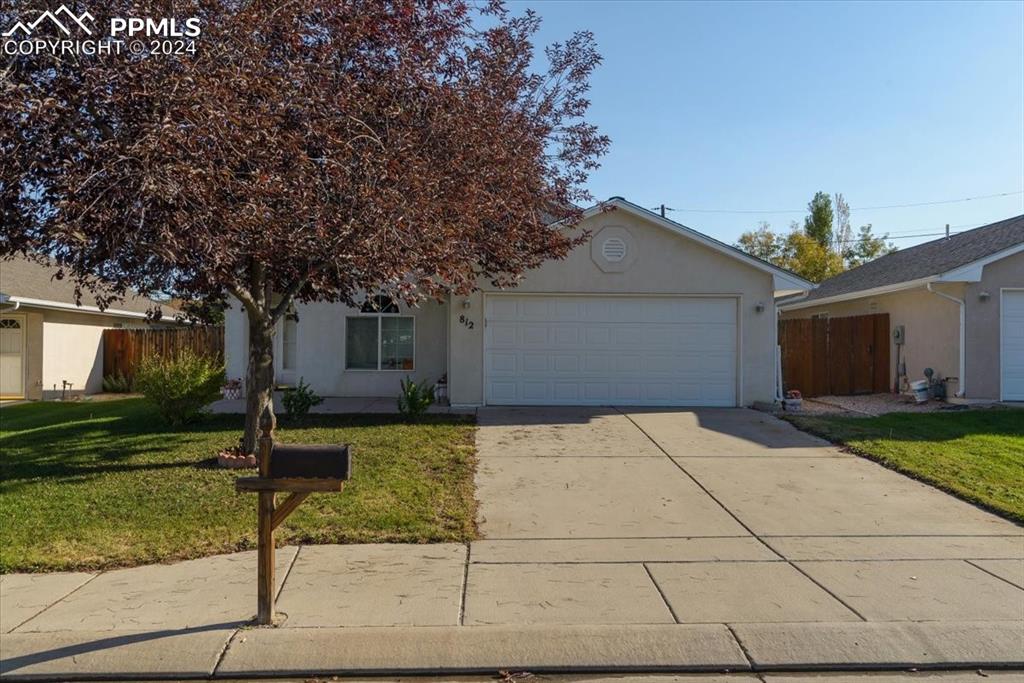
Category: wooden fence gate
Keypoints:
(836, 356)
(124, 350)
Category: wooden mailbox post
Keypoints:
(299, 471)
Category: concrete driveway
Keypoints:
(719, 516)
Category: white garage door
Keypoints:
(1012, 354)
(610, 350)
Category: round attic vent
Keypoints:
(614, 249)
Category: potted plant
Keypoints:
(793, 400)
(232, 389)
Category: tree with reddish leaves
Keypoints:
(308, 150)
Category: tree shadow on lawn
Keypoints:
(73, 450)
(127, 436)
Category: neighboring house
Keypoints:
(46, 339)
(959, 299)
(647, 312)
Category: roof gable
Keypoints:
(783, 280)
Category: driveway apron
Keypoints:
(622, 515)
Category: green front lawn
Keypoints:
(977, 455)
(104, 484)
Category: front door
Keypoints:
(12, 357)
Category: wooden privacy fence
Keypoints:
(836, 356)
(124, 350)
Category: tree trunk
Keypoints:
(259, 381)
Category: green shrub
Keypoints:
(181, 387)
(415, 398)
(117, 383)
(299, 399)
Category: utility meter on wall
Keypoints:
(898, 335)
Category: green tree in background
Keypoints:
(808, 258)
(866, 248)
(823, 247)
(763, 243)
(818, 223)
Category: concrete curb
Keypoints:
(483, 649)
(224, 653)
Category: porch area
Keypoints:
(339, 405)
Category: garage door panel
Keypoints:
(501, 334)
(502, 391)
(1012, 351)
(565, 335)
(535, 362)
(566, 392)
(567, 364)
(602, 350)
(501, 363)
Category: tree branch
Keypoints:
(244, 296)
(286, 299)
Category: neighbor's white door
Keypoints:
(12, 357)
(1011, 357)
(610, 350)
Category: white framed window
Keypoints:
(289, 342)
(379, 338)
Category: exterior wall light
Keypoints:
(759, 307)
(984, 296)
(466, 303)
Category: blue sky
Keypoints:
(758, 105)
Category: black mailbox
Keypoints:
(310, 462)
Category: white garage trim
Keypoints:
(1004, 395)
(737, 299)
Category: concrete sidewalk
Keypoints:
(689, 541)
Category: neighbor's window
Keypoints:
(379, 339)
(289, 339)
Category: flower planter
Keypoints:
(236, 461)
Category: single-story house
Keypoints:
(646, 312)
(49, 344)
(958, 301)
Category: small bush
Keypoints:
(117, 383)
(181, 387)
(299, 399)
(415, 398)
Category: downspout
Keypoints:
(962, 379)
(777, 356)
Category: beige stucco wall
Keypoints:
(65, 345)
(73, 349)
(320, 350)
(983, 324)
(664, 263)
(932, 326)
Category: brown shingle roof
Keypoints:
(20, 277)
(924, 260)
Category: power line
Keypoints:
(857, 208)
(904, 237)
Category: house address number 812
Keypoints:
(466, 322)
